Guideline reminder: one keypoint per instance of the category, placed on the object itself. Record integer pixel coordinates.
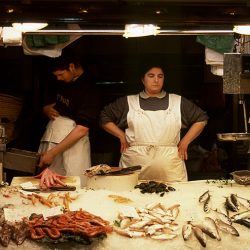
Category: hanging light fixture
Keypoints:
(26, 27)
(138, 30)
(242, 29)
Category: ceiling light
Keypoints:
(138, 30)
(26, 27)
(242, 29)
(11, 36)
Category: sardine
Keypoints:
(229, 205)
(234, 200)
(226, 227)
(242, 215)
(244, 202)
(243, 222)
(225, 218)
(205, 229)
(204, 196)
(211, 228)
(206, 207)
(201, 237)
(186, 231)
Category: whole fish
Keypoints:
(226, 227)
(244, 202)
(211, 228)
(186, 231)
(241, 215)
(205, 229)
(243, 222)
(225, 218)
(204, 196)
(201, 237)
(234, 200)
(206, 207)
(229, 205)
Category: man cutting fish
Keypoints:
(65, 147)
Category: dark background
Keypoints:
(116, 63)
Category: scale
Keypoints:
(236, 80)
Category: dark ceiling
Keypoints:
(116, 13)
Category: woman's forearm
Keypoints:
(194, 131)
(113, 129)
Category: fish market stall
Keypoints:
(137, 219)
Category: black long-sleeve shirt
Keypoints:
(78, 100)
(117, 111)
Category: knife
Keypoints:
(122, 171)
(51, 189)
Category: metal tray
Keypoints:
(234, 136)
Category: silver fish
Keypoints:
(206, 207)
(224, 217)
(234, 200)
(201, 237)
(204, 196)
(243, 222)
(186, 231)
(229, 205)
(211, 228)
(244, 202)
(205, 229)
(226, 227)
(241, 215)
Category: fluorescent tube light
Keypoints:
(242, 29)
(26, 27)
(138, 30)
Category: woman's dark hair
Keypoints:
(146, 68)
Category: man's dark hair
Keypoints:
(63, 62)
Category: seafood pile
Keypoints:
(236, 209)
(54, 199)
(154, 187)
(98, 169)
(15, 231)
(154, 221)
(80, 226)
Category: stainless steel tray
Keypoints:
(233, 136)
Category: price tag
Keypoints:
(13, 214)
(27, 184)
(128, 211)
(52, 211)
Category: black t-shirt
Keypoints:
(78, 100)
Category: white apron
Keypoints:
(153, 137)
(73, 161)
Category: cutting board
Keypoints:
(69, 180)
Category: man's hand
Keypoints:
(50, 111)
(46, 159)
(50, 179)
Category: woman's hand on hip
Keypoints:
(124, 143)
(182, 149)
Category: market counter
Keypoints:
(102, 203)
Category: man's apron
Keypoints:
(73, 161)
(153, 137)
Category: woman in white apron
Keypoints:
(148, 126)
(65, 147)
